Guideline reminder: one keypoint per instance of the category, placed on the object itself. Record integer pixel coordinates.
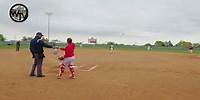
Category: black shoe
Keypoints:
(32, 75)
(40, 75)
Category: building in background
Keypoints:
(92, 40)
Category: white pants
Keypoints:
(69, 61)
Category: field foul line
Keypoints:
(80, 66)
(92, 68)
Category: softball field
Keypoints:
(123, 75)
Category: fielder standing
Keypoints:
(36, 48)
(191, 49)
(17, 46)
(111, 48)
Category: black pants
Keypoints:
(37, 64)
(17, 48)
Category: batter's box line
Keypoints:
(87, 70)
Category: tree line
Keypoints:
(181, 43)
(24, 38)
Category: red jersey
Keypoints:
(69, 50)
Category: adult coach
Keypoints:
(36, 48)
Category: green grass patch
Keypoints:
(116, 47)
(5, 46)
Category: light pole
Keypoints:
(48, 24)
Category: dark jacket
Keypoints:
(36, 47)
(18, 44)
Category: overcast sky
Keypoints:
(122, 21)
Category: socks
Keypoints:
(71, 70)
(61, 70)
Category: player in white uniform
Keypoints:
(111, 48)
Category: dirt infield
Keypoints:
(124, 75)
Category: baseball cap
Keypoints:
(39, 33)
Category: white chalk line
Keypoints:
(92, 68)
(80, 66)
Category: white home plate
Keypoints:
(90, 69)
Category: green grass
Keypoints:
(3, 46)
(116, 47)
(143, 48)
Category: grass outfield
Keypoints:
(13, 46)
(118, 47)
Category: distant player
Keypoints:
(111, 48)
(67, 61)
(191, 49)
(149, 47)
(55, 50)
(17, 46)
